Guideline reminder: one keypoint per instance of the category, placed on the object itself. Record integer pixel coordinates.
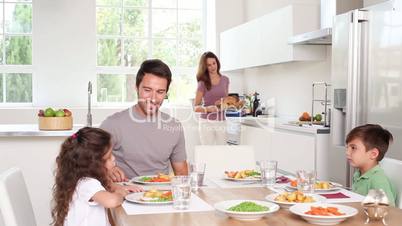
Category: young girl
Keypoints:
(83, 189)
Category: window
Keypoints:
(131, 31)
(16, 51)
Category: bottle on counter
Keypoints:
(256, 103)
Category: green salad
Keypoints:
(248, 207)
(145, 179)
(162, 199)
(253, 174)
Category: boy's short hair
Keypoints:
(372, 136)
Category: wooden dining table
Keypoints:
(213, 218)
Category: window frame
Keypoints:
(16, 68)
(127, 70)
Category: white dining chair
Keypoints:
(392, 169)
(15, 204)
(219, 158)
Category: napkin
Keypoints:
(338, 195)
(282, 180)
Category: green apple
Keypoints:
(49, 112)
(318, 117)
(59, 113)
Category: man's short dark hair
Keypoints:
(372, 136)
(155, 67)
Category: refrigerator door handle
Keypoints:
(356, 68)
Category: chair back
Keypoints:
(221, 158)
(15, 204)
(392, 169)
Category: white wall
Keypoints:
(290, 84)
(229, 13)
(64, 51)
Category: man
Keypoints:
(144, 139)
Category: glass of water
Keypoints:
(268, 170)
(181, 189)
(306, 181)
(197, 171)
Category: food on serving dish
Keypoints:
(296, 196)
(248, 207)
(324, 185)
(324, 211)
(293, 183)
(305, 117)
(157, 196)
(158, 178)
(242, 174)
(230, 103)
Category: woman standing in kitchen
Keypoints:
(212, 87)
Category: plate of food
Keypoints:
(153, 179)
(287, 199)
(246, 210)
(319, 186)
(243, 175)
(151, 197)
(323, 214)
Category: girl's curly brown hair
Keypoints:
(81, 155)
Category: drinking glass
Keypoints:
(268, 169)
(197, 171)
(181, 190)
(306, 181)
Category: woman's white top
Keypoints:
(82, 210)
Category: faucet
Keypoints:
(89, 115)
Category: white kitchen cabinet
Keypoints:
(259, 138)
(293, 150)
(264, 40)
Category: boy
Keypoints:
(366, 146)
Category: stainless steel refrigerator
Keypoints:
(366, 79)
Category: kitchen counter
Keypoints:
(32, 130)
(279, 123)
(314, 129)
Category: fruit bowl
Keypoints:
(55, 123)
(50, 119)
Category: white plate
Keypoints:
(137, 198)
(287, 205)
(301, 208)
(331, 188)
(245, 216)
(138, 180)
(256, 178)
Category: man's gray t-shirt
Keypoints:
(145, 146)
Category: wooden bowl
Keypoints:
(55, 123)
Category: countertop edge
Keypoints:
(32, 130)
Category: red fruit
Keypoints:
(67, 113)
(41, 113)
